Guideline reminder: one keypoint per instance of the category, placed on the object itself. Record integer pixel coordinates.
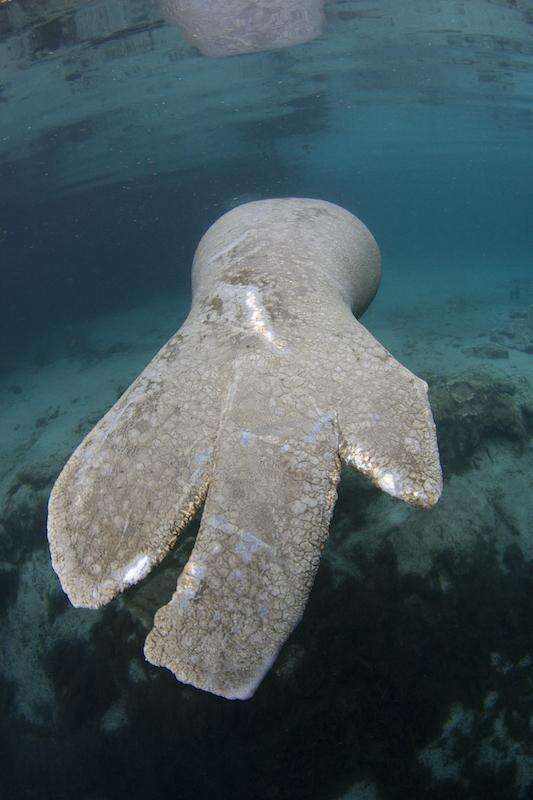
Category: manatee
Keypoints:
(239, 26)
(251, 408)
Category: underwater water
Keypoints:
(411, 672)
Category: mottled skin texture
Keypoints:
(252, 406)
(240, 26)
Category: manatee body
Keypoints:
(249, 410)
(240, 26)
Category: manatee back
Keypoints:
(300, 237)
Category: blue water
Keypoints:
(411, 673)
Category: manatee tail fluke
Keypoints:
(264, 524)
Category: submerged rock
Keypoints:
(474, 407)
(487, 351)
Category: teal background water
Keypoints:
(410, 675)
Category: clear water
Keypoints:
(411, 674)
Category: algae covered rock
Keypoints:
(474, 407)
(23, 514)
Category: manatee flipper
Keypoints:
(264, 524)
(139, 476)
(386, 426)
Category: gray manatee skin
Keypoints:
(270, 384)
(234, 27)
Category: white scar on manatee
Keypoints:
(270, 385)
